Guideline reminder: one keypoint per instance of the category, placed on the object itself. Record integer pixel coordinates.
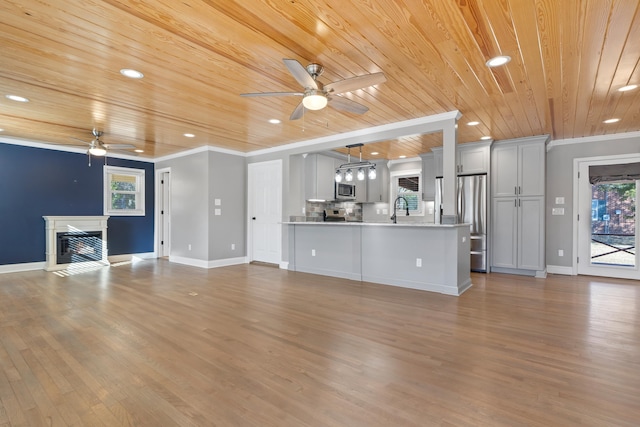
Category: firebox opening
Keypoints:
(79, 246)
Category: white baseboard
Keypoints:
(227, 262)
(284, 265)
(208, 264)
(131, 257)
(559, 269)
(26, 266)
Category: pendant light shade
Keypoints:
(348, 175)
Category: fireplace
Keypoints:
(75, 240)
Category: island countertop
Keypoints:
(381, 224)
(426, 256)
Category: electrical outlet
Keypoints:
(418, 262)
(189, 246)
(560, 252)
(233, 246)
(313, 252)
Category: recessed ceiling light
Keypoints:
(627, 88)
(473, 123)
(402, 157)
(189, 135)
(611, 121)
(274, 121)
(485, 137)
(498, 61)
(17, 98)
(132, 74)
(137, 150)
(374, 153)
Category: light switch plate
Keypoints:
(557, 211)
(217, 202)
(559, 200)
(217, 212)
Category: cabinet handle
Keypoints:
(519, 190)
(519, 203)
(515, 190)
(515, 203)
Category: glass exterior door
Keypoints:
(613, 224)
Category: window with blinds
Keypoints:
(123, 191)
(408, 185)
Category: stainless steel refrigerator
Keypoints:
(472, 209)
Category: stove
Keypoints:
(335, 215)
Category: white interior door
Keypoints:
(265, 211)
(607, 237)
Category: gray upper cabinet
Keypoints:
(378, 189)
(428, 176)
(518, 167)
(319, 177)
(471, 158)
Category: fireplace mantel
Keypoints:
(70, 224)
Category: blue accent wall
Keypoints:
(35, 182)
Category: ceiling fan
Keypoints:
(98, 148)
(316, 96)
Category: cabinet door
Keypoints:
(437, 162)
(361, 189)
(531, 161)
(473, 159)
(504, 226)
(531, 233)
(319, 177)
(378, 189)
(504, 171)
(428, 177)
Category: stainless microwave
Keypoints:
(345, 191)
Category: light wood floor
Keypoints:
(161, 344)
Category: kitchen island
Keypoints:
(429, 257)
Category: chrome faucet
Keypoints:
(395, 204)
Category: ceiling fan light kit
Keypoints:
(97, 151)
(314, 100)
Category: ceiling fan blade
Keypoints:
(345, 104)
(300, 74)
(118, 146)
(353, 83)
(297, 113)
(273, 94)
(81, 140)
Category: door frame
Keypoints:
(158, 223)
(588, 161)
(250, 192)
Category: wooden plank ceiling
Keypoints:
(569, 58)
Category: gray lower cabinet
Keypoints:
(518, 233)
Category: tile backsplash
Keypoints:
(314, 210)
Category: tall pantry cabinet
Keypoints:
(518, 205)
